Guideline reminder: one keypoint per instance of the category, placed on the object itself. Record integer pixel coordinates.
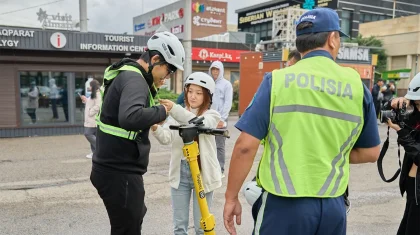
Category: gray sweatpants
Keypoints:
(90, 134)
(220, 144)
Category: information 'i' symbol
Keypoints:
(58, 40)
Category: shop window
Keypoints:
(44, 97)
(346, 21)
(375, 17)
(82, 87)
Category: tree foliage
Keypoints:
(372, 41)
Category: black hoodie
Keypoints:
(126, 105)
(410, 140)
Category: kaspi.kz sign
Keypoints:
(212, 54)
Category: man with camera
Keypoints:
(406, 121)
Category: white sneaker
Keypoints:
(89, 155)
(223, 175)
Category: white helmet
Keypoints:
(201, 79)
(170, 47)
(413, 92)
(251, 191)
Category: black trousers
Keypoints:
(123, 196)
(410, 224)
(377, 107)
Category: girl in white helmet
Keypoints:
(409, 138)
(199, 88)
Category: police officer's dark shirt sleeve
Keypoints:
(256, 117)
(126, 105)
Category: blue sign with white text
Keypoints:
(139, 27)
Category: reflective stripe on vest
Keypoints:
(113, 130)
(315, 119)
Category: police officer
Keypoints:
(127, 113)
(316, 117)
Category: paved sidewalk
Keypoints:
(45, 189)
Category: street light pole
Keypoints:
(393, 9)
(187, 40)
(83, 15)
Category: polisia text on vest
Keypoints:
(330, 86)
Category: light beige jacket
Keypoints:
(92, 109)
(210, 167)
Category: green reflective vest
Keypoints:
(316, 115)
(113, 130)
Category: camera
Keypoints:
(398, 115)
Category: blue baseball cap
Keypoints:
(323, 20)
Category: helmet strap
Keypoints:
(150, 64)
(211, 98)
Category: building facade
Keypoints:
(254, 65)
(401, 41)
(208, 18)
(258, 18)
(58, 63)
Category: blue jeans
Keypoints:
(181, 203)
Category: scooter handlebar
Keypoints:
(207, 131)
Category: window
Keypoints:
(44, 97)
(346, 21)
(264, 27)
(82, 87)
(52, 98)
(368, 17)
(234, 76)
(264, 34)
(258, 36)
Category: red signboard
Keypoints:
(212, 54)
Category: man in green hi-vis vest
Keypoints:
(316, 118)
(124, 120)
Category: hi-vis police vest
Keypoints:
(316, 115)
(113, 130)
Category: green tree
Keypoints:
(372, 41)
(235, 103)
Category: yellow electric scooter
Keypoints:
(191, 151)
